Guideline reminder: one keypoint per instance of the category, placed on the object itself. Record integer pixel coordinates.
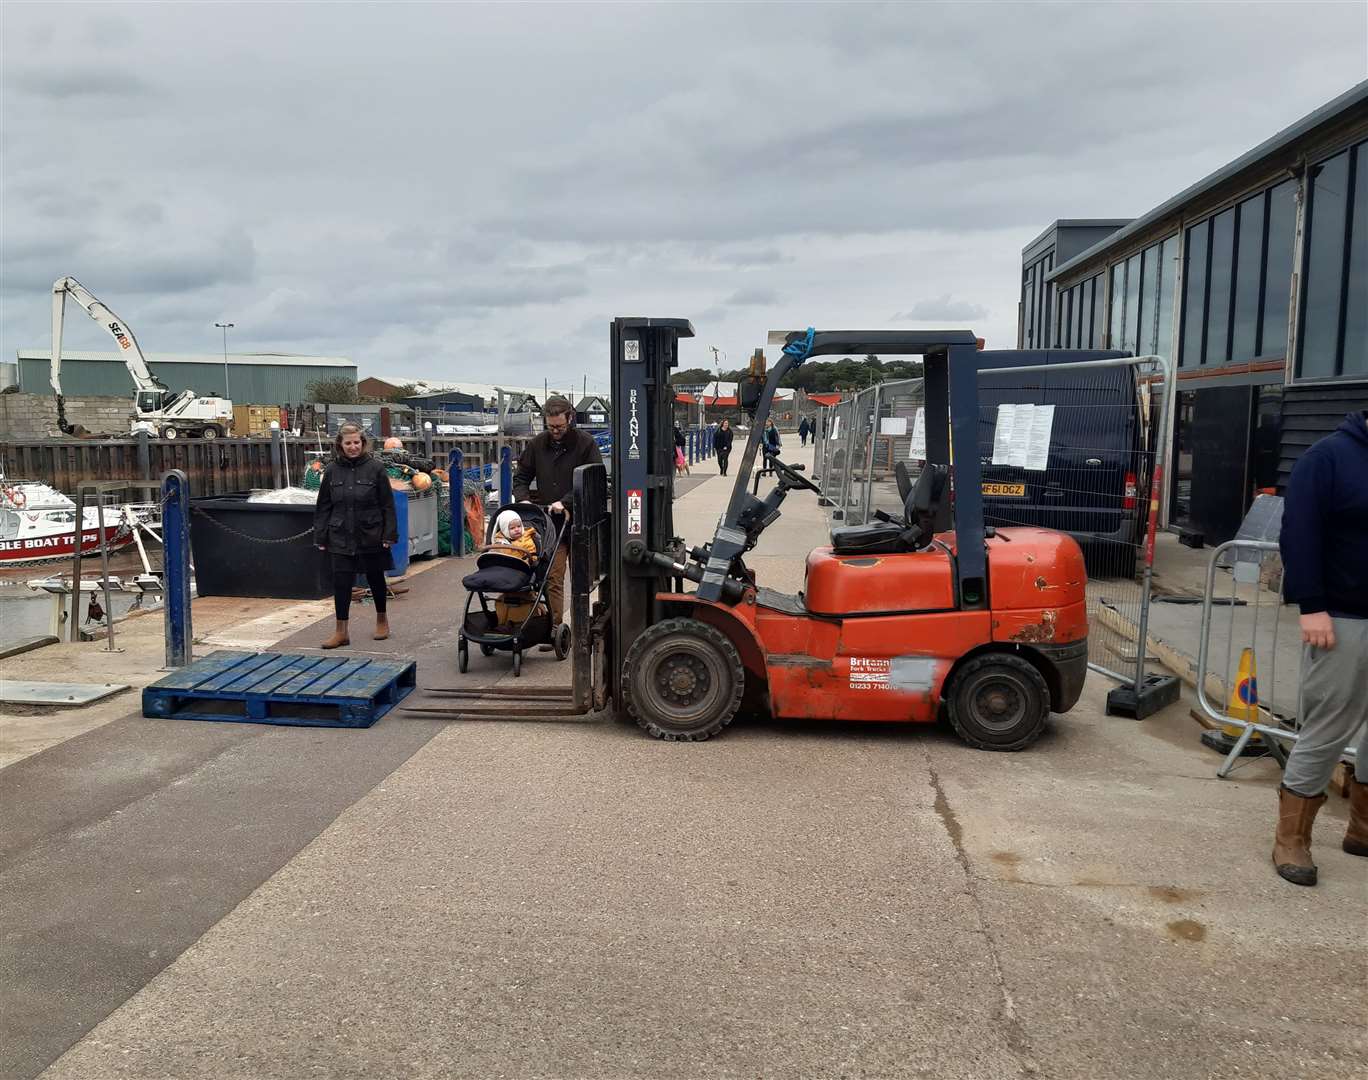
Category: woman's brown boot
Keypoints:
(1356, 836)
(339, 637)
(1292, 841)
(381, 626)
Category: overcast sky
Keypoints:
(451, 191)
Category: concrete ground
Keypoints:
(567, 899)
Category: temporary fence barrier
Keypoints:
(1249, 663)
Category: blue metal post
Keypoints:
(175, 493)
(505, 475)
(457, 496)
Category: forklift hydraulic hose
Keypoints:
(732, 591)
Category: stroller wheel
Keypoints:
(560, 641)
(517, 662)
(486, 650)
(462, 655)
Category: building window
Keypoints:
(1116, 317)
(1221, 279)
(1167, 260)
(1144, 323)
(1099, 312)
(1326, 217)
(1355, 352)
(1332, 328)
(1194, 294)
(1249, 235)
(1082, 315)
(1282, 232)
(1028, 308)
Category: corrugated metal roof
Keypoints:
(278, 359)
(1356, 97)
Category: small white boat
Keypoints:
(38, 524)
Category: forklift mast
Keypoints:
(643, 353)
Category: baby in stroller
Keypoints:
(512, 569)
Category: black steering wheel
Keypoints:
(792, 476)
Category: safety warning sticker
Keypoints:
(869, 672)
(634, 512)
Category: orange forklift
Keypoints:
(906, 618)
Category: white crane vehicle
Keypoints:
(160, 411)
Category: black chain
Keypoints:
(247, 536)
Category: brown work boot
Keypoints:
(1292, 841)
(381, 626)
(339, 637)
(1356, 836)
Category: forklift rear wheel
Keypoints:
(462, 655)
(561, 641)
(682, 680)
(998, 701)
(211, 432)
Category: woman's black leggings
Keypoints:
(722, 456)
(345, 568)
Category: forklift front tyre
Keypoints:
(682, 680)
(998, 701)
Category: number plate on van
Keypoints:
(1004, 489)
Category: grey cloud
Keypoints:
(65, 84)
(754, 296)
(944, 307)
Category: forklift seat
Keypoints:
(913, 533)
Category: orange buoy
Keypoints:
(421, 481)
(393, 443)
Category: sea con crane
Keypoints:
(167, 413)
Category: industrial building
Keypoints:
(246, 378)
(1254, 280)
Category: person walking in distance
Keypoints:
(804, 430)
(771, 438)
(722, 444)
(550, 461)
(1324, 546)
(355, 523)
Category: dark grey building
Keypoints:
(446, 401)
(1254, 280)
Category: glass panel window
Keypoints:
(1081, 316)
(1194, 294)
(1355, 359)
(1222, 267)
(1325, 223)
(1131, 320)
(1099, 312)
(1115, 320)
(1248, 290)
(1282, 229)
(1144, 327)
(1168, 275)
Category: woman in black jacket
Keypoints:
(722, 443)
(355, 524)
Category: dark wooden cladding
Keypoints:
(213, 468)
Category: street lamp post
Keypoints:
(225, 327)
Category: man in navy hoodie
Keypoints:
(1324, 546)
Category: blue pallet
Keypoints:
(299, 689)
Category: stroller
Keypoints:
(520, 589)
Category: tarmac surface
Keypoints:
(570, 898)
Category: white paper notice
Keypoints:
(1038, 442)
(892, 425)
(919, 437)
(1002, 434)
(835, 430)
